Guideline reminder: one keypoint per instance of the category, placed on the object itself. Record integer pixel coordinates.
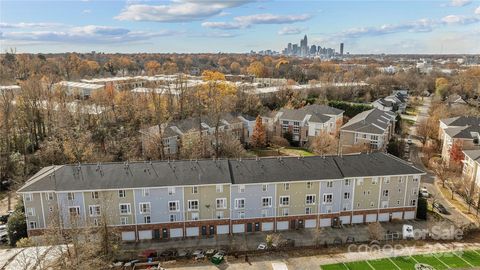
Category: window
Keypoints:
(327, 198)
(348, 182)
(264, 212)
(122, 193)
(219, 214)
(346, 207)
(346, 195)
(145, 208)
(95, 195)
(285, 212)
(70, 196)
(329, 184)
(94, 210)
(193, 205)
(267, 202)
(400, 179)
(264, 187)
(284, 200)
(219, 188)
(286, 186)
(194, 190)
(171, 190)
(415, 178)
(399, 190)
(241, 214)
(239, 203)
(386, 180)
(50, 209)
(366, 192)
(309, 185)
(398, 202)
(146, 219)
(95, 222)
(145, 192)
(310, 199)
(385, 193)
(124, 220)
(308, 210)
(125, 209)
(28, 197)
(173, 206)
(414, 191)
(359, 181)
(195, 216)
(221, 203)
(74, 211)
(384, 204)
(50, 196)
(241, 188)
(372, 204)
(374, 181)
(173, 217)
(32, 225)
(30, 211)
(413, 202)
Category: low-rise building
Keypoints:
(471, 167)
(372, 128)
(462, 132)
(78, 89)
(396, 102)
(175, 199)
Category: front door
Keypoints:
(164, 233)
(212, 230)
(204, 230)
(257, 226)
(249, 227)
(293, 224)
(300, 224)
(156, 234)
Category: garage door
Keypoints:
(145, 235)
(325, 222)
(357, 219)
(345, 219)
(267, 226)
(176, 232)
(282, 225)
(384, 217)
(238, 228)
(397, 215)
(128, 236)
(371, 218)
(310, 223)
(223, 229)
(192, 231)
(409, 215)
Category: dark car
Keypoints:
(4, 218)
(168, 254)
(148, 253)
(440, 208)
(350, 239)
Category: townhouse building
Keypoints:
(471, 167)
(396, 102)
(372, 128)
(168, 200)
(462, 132)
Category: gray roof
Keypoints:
(462, 121)
(319, 113)
(184, 173)
(322, 109)
(473, 154)
(372, 121)
(463, 132)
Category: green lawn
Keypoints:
(362, 265)
(383, 264)
(452, 260)
(405, 263)
(337, 266)
(430, 260)
(290, 151)
(472, 257)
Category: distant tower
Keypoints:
(341, 48)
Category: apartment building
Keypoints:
(372, 128)
(471, 166)
(462, 131)
(78, 89)
(165, 199)
(396, 102)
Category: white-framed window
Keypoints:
(125, 209)
(348, 182)
(385, 193)
(358, 205)
(145, 208)
(359, 181)
(30, 211)
(28, 197)
(264, 187)
(284, 201)
(386, 180)
(264, 212)
(195, 216)
(415, 178)
(195, 190)
(147, 219)
(94, 210)
(95, 222)
(219, 214)
(374, 180)
(327, 198)
(94, 194)
(50, 196)
(400, 179)
(171, 190)
(241, 214)
(145, 192)
(372, 204)
(32, 225)
(329, 184)
(310, 199)
(193, 205)
(309, 185)
(241, 188)
(240, 203)
(173, 217)
(50, 209)
(366, 192)
(399, 190)
(70, 196)
(398, 202)
(285, 211)
(286, 186)
(413, 202)
(221, 203)
(74, 211)
(346, 195)
(308, 210)
(124, 220)
(219, 188)
(266, 201)
(122, 193)
(414, 191)
(174, 206)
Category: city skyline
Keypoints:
(188, 26)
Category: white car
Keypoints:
(262, 246)
(408, 232)
(424, 192)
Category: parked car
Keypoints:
(4, 218)
(168, 254)
(440, 208)
(218, 257)
(198, 254)
(262, 246)
(210, 252)
(183, 253)
(409, 140)
(407, 232)
(350, 239)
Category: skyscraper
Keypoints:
(341, 48)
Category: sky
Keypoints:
(238, 26)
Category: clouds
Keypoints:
(291, 30)
(178, 10)
(458, 19)
(422, 25)
(24, 25)
(477, 11)
(240, 22)
(460, 3)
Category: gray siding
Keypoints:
(159, 208)
(253, 200)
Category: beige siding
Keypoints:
(207, 197)
(298, 193)
(109, 202)
(366, 193)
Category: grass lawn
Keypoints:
(452, 260)
(430, 260)
(406, 263)
(288, 151)
(383, 264)
(361, 265)
(337, 266)
(472, 257)
(291, 151)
